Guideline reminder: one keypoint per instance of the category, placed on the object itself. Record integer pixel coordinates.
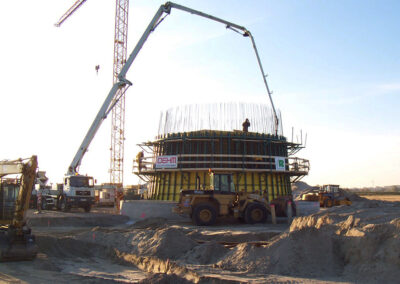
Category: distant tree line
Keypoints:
(377, 189)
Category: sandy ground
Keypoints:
(391, 198)
(346, 244)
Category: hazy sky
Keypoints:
(334, 68)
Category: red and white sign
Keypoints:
(167, 162)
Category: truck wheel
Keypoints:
(255, 213)
(87, 208)
(204, 215)
(63, 205)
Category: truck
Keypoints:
(16, 239)
(76, 191)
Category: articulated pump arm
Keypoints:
(111, 100)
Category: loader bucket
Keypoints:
(17, 248)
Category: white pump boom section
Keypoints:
(111, 100)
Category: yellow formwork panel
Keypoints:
(167, 186)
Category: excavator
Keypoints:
(16, 239)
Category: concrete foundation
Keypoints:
(142, 209)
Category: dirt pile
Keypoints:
(361, 245)
(163, 242)
(207, 253)
(150, 223)
(352, 196)
(358, 243)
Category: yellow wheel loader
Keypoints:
(16, 240)
(205, 206)
(331, 195)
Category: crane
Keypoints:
(118, 112)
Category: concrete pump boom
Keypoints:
(110, 100)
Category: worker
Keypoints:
(139, 160)
(246, 125)
(119, 195)
(39, 201)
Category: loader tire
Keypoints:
(204, 215)
(255, 213)
(328, 203)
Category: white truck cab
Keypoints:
(77, 191)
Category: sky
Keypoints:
(333, 66)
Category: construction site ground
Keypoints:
(346, 244)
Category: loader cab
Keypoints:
(222, 183)
(330, 189)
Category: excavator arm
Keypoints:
(16, 240)
(111, 98)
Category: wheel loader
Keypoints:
(331, 195)
(16, 239)
(205, 206)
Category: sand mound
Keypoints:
(150, 223)
(68, 247)
(164, 243)
(357, 245)
(167, 243)
(162, 278)
(206, 253)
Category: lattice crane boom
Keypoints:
(118, 111)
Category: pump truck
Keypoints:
(70, 194)
(16, 239)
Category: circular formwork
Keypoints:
(251, 158)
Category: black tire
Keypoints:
(255, 213)
(64, 206)
(204, 215)
(87, 208)
(326, 203)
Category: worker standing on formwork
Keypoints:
(139, 160)
(246, 125)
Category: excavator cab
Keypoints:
(16, 240)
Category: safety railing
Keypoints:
(148, 165)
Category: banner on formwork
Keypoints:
(280, 163)
(167, 162)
